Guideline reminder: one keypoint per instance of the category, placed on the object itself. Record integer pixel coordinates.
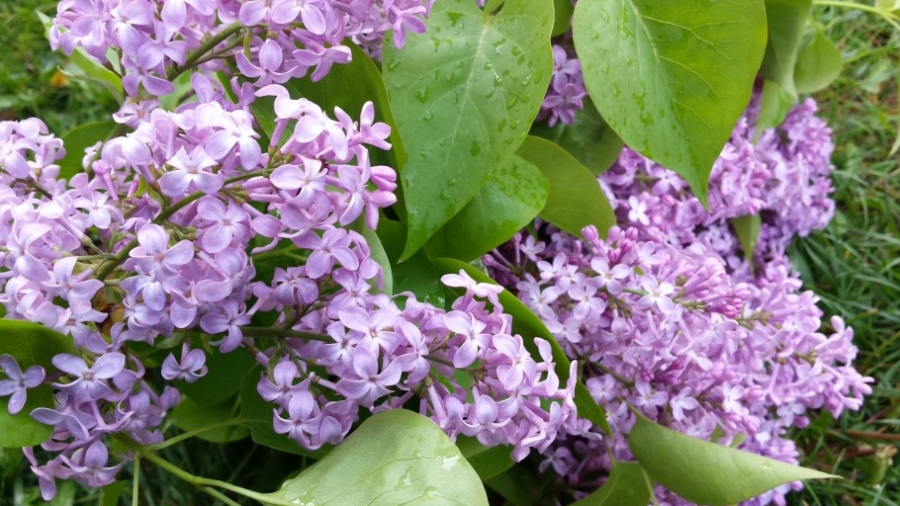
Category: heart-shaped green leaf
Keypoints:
(671, 77)
(190, 416)
(394, 457)
(512, 197)
(576, 199)
(785, 20)
(589, 139)
(818, 64)
(464, 94)
(708, 473)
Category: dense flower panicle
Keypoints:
(666, 315)
(149, 41)
(566, 94)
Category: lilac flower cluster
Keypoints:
(150, 42)
(566, 94)
(665, 314)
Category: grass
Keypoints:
(853, 266)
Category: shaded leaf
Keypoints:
(626, 486)
(190, 416)
(394, 457)
(775, 105)
(747, 230)
(225, 373)
(487, 461)
(589, 139)
(562, 20)
(77, 140)
(464, 94)
(29, 344)
(518, 485)
(110, 494)
(818, 64)
(671, 78)
(707, 473)
(512, 197)
(417, 274)
(529, 326)
(576, 199)
(785, 20)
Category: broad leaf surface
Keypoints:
(708, 473)
(518, 485)
(562, 22)
(464, 95)
(110, 494)
(529, 326)
(626, 486)
(818, 64)
(785, 19)
(576, 199)
(77, 140)
(417, 274)
(512, 197)
(671, 77)
(225, 372)
(29, 344)
(775, 105)
(191, 416)
(395, 457)
(589, 139)
(488, 461)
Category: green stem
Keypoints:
(136, 486)
(219, 495)
(187, 435)
(860, 7)
(199, 481)
(204, 48)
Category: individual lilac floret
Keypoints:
(17, 382)
(191, 368)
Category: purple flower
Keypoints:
(89, 383)
(17, 383)
(192, 367)
(190, 169)
(154, 256)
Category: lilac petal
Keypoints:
(216, 238)
(285, 13)
(355, 318)
(287, 177)
(285, 373)
(31, 268)
(47, 416)
(154, 296)
(85, 290)
(353, 389)
(270, 55)
(174, 15)
(34, 376)
(8, 387)
(347, 258)
(170, 369)
(97, 455)
(465, 355)
(252, 13)
(194, 361)
(10, 367)
(250, 153)
(182, 317)
(213, 291)
(174, 184)
(157, 86)
(108, 365)
(70, 364)
(153, 238)
(307, 129)
(180, 254)
(313, 19)
(219, 144)
(213, 323)
(318, 264)
(209, 183)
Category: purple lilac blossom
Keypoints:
(667, 314)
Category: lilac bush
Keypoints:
(226, 214)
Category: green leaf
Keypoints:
(487, 461)
(21, 430)
(417, 274)
(887, 5)
(518, 485)
(110, 494)
(377, 253)
(256, 414)
(589, 139)
(224, 376)
(785, 20)
(626, 486)
(29, 344)
(191, 416)
(818, 64)
(464, 94)
(529, 326)
(576, 199)
(90, 69)
(707, 473)
(562, 20)
(511, 198)
(747, 230)
(775, 105)
(394, 457)
(77, 140)
(671, 77)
